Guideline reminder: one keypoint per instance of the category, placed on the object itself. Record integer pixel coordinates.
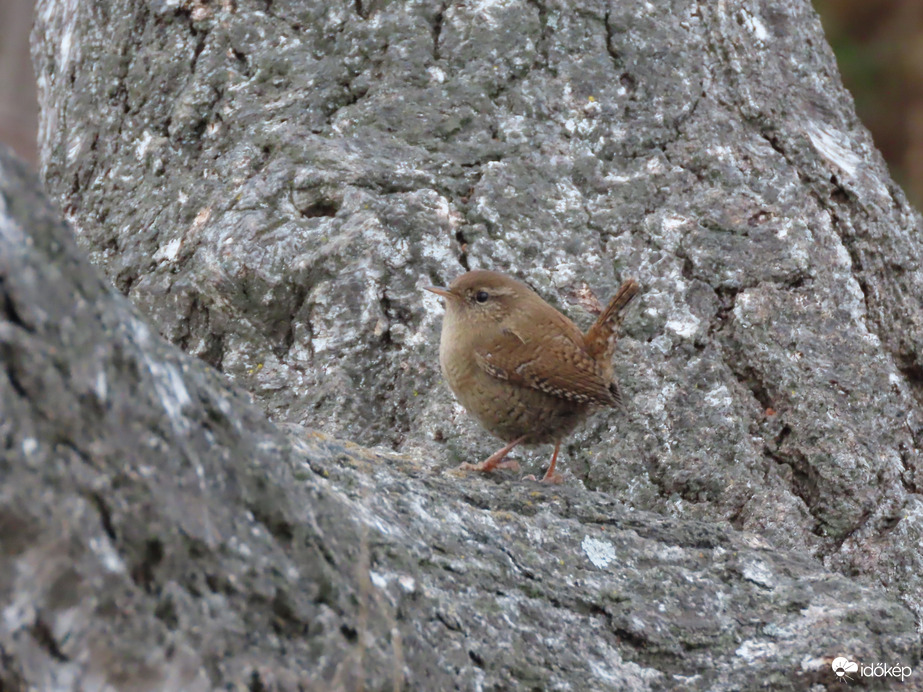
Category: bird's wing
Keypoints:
(557, 365)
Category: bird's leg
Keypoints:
(550, 476)
(495, 460)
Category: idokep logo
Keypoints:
(843, 667)
(847, 670)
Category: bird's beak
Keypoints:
(439, 291)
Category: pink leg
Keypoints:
(550, 476)
(495, 460)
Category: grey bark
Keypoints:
(273, 185)
(158, 533)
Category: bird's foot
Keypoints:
(550, 478)
(486, 466)
(497, 460)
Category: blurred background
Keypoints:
(879, 47)
(18, 108)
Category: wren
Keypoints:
(525, 371)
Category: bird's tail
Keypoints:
(600, 338)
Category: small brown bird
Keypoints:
(524, 370)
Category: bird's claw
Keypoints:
(484, 467)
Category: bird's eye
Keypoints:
(481, 296)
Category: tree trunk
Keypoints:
(273, 184)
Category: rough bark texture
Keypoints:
(157, 533)
(273, 184)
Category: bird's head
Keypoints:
(480, 297)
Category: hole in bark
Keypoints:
(463, 247)
(143, 573)
(323, 207)
(256, 683)
(9, 308)
(476, 659)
